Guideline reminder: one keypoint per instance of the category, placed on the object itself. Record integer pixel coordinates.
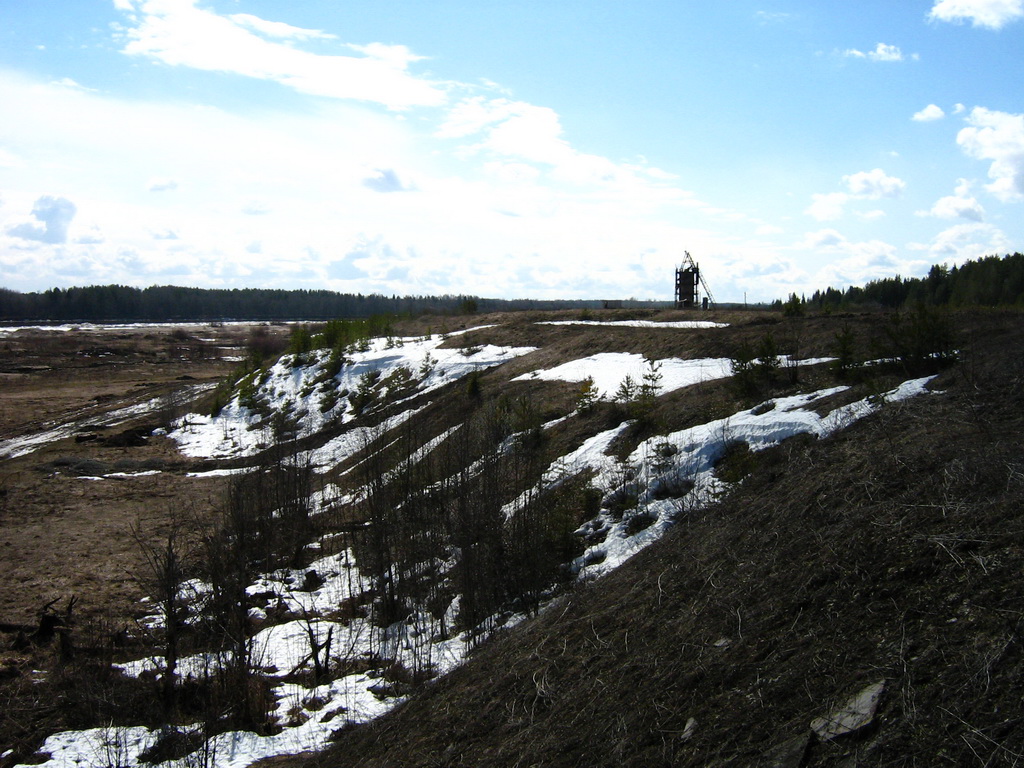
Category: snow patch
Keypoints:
(640, 323)
(314, 400)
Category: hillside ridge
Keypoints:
(886, 555)
(631, 537)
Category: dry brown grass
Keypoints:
(832, 566)
(892, 551)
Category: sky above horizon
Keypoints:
(524, 149)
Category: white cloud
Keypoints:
(514, 135)
(993, 14)
(178, 33)
(959, 205)
(256, 208)
(161, 184)
(771, 17)
(278, 28)
(387, 180)
(965, 241)
(273, 199)
(67, 82)
(52, 216)
(874, 184)
(511, 172)
(929, 113)
(999, 137)
(823, 238)
(952, 207)
(855, 263)
(882, 52)
(510, 128)
(10, 160)
(865, 185)
(89, 235)
(828, 206)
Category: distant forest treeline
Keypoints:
(162, 303)
(989, 282)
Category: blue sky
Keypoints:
(507, 149)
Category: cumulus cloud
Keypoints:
(256, 208)
(823, 238)
(865, 185)
(952, 207)
(961, 205)
(510, 128)
(516, 132)
(53, 216)
(965, 241)
(387, 180)
(89, 235)
(828, 206)
(993, 14)
(161, 185)
(929, 113)
(178, 33)
(855, 263)
(882, 52)
(874, 184)
(999, 137)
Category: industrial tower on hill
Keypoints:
(689, 284)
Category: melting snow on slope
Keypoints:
(238, 431)
(20, 446)
(608, 369)
(640, 323)
(671, 474)
(666, 475)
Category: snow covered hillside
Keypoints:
(408, 497)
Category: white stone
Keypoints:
(854, 715)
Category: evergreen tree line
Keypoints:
(158, 303)
(108, 303)
(990, 281)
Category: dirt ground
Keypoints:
(63, 534)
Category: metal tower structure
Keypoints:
(689, 283)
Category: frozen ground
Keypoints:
(663, 478)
